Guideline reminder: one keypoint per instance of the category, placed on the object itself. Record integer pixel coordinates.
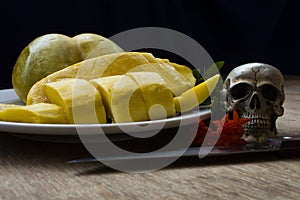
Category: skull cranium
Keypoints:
(255, 91)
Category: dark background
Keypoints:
(234, 31)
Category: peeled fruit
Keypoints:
(136, 96)
(5, 106)
(79, 99)
(178, 78)
(196, 95)
(42, 113)
(105, 88)
(156, 95)
(123, 99)
(53, 52)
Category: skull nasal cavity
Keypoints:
(254, 102)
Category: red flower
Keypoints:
(227, 132)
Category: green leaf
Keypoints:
(211, 71)
(208, 73)
(196, 74)
(198, 77)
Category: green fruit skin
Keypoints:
(53, 52)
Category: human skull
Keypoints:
(255, 91)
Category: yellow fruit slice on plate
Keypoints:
(79, 99)
(196, 95)
(122, 97)
(42, 113)
(157, 97)
(5, 106)
(175, 80)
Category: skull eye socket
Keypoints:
(269, 92)
(240, 90)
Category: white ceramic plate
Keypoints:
(9, 96)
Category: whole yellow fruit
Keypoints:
(52, 52)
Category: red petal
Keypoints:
(201, 122)
(227, 131)
(243, 120)
(235, 116)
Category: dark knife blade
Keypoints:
(282, 144)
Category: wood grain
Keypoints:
(38, 170)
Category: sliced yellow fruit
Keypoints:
(5, 106)
(80, 100)
(105, 87)
(157, 97)
(196, 95)
(122, 98)
(175, 81)
(178, 78)
(42, 113)
(183, 70)
(136, 96)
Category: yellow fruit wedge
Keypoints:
(79, 99)
(157, 97)
(105, 88)
(176, 82)
(179, 78)
(42, 113)
(183, 70)
(196, 95)
(122, 98)
(5, 106)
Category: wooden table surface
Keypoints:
(39, 170)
